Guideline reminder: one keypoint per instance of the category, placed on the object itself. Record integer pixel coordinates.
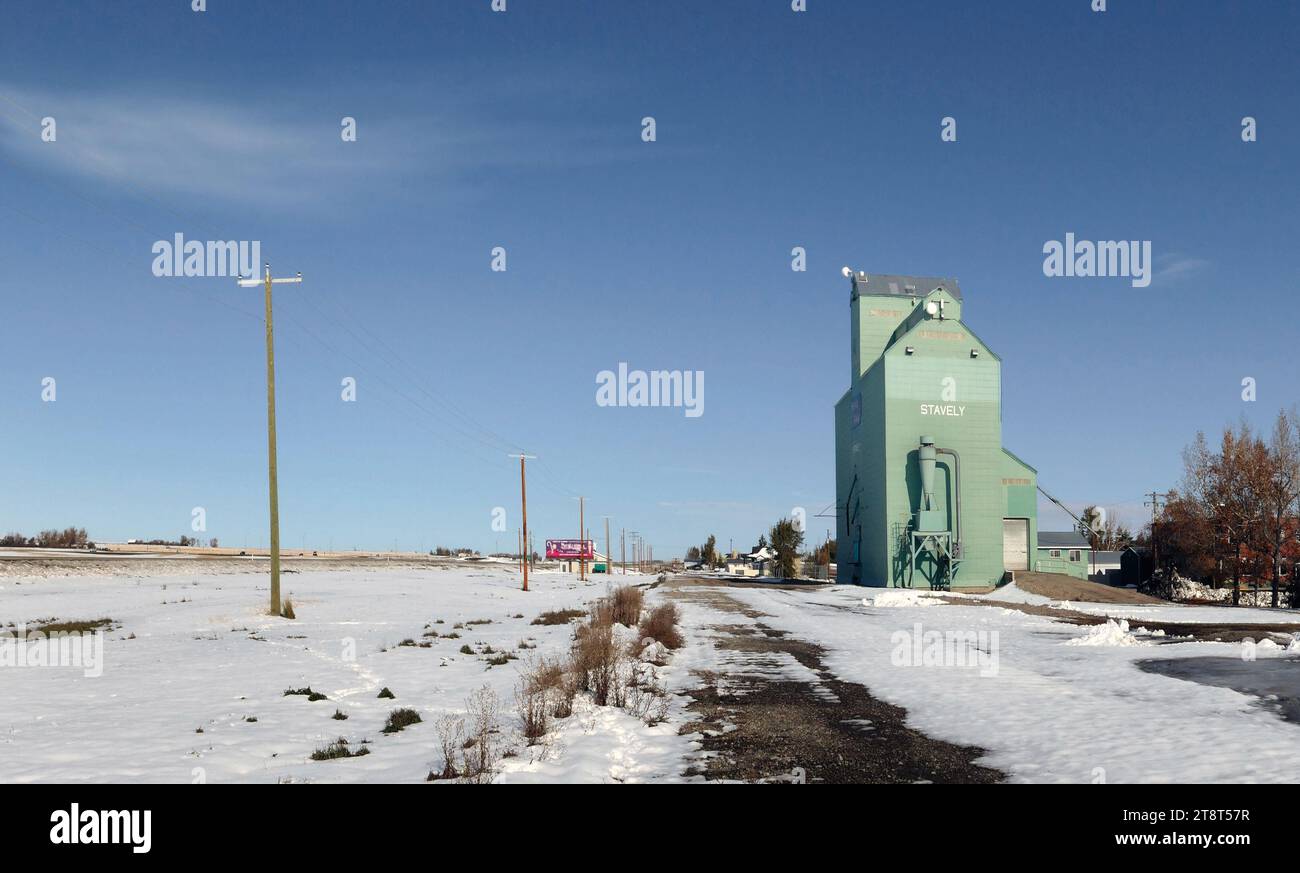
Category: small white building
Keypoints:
(760, 562)
(740, 566)
(573, 565)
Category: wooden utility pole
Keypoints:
(622, 549)
(1156, 497)
(609, 556)
(582, 540)
(523, 499)
(270, 431)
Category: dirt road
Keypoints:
(760, 723)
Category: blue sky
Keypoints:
(476, 129)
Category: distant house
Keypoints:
(740, 566)
(759, 562)
(1066, 552)
(756, 563)
(744, 565)
(597, 564)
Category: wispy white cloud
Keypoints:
(1176, 265)
(274, 156)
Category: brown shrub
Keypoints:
(596, 659)
(647, 697)
(558, 616)
(661, 625)
(537, 684)
(451, 728)
(621, 605)
(479, 755)
(53, 626)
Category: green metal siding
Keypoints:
(1045, 563)
(939, 391)
(917, 385)
(875, 318)
(1021, 499)
(860, 482)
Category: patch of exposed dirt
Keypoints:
(1059, 586)
(758, 727)
(1201, 632)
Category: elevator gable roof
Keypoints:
(921, 323)
(889, 285)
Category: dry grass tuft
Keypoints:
(338, 749)
(401, 718)
(559, 616)
(660, 624)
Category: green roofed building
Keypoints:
(926, 496)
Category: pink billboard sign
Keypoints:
(570, 550)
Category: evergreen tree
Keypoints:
(710, 551)
(786, 540)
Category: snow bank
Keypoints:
(1109, 634)
(654, 652)
(1182, 589)
(901, 597)
(1012, 593)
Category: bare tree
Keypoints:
(1107, 533)
(1235, 479)
(1279, 490)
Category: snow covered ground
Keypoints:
(1178, 613)
(1051, 711)
(1049, 701)
(192, 652)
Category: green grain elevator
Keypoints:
(926, 496)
